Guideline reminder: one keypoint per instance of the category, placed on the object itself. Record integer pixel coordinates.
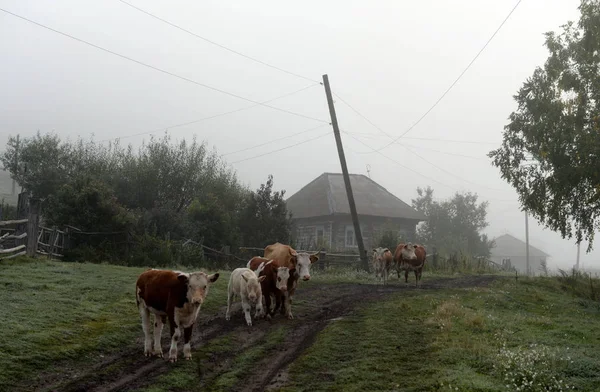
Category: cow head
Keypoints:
(197, 284)
(281, 278)
(378, 257)
(408, 252)
(253, 285)
(303, 264)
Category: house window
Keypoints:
(319, 232)
(350, 237)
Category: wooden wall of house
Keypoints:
(335, 231)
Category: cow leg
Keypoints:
(406, 277)
(145, 313)
(187, 346)
(175, 334)
(159, 322)
(416, 278)
(384, 273)
(268, 305)
(246, 308)
(288, 305)
(229, 299)
(260, 312)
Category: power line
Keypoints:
(210, 117)
(367, 135)
(161, 70)
(443, 152)
(399, 164)
(445, 92)
(217, 44)
(275, 140)
(284, 148)
(449, 172)
(414, 171)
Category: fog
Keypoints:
(390, 60)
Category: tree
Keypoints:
(551, 148)
(88, 204)
(453, 225)
(265, 218)
(43, 163)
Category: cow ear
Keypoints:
(386, 250)
(244, 276)
(213, 278)
(182, 278)
(260, 279)
(314, 258)
(374, 250)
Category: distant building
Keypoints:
(513, 249)
(321, 213)
(6, 193)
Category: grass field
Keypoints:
(60, 317)
(529, 336)
(56, 313)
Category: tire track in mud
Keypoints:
(319, 304)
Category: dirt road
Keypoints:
(315, 305)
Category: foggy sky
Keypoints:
(390, 60)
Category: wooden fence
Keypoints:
(11, 242)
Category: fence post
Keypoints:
(323, 260)
(32, 226)
(52, 242)
(22, 213)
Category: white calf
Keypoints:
(245, 284)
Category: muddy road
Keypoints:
(315, 305)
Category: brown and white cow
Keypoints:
(245, 283)
(288, 257)
(382, 262)
(275, 283)
(177, 296)
(409, 257)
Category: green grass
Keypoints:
(53, 312)
(427, 341)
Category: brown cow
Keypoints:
(288, 257)
(174, 295)
(409, 257)
(382, 261)
(275, 283)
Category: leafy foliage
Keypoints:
(265, 218)
(453, 225)
(161, 193)
(551, 146)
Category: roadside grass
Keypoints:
(54, 313)
(510, 336)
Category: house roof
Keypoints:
(509, 246)
(326, 195)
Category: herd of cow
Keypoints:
(178, 296)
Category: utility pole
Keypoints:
(16, 164)
(527, 240)
(369, 170)
(340, 148)
(577, 263)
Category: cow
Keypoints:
(275, 283)
(409, 257)
(288, 257)
(245, 284)
(177, 296)
(382, 261)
